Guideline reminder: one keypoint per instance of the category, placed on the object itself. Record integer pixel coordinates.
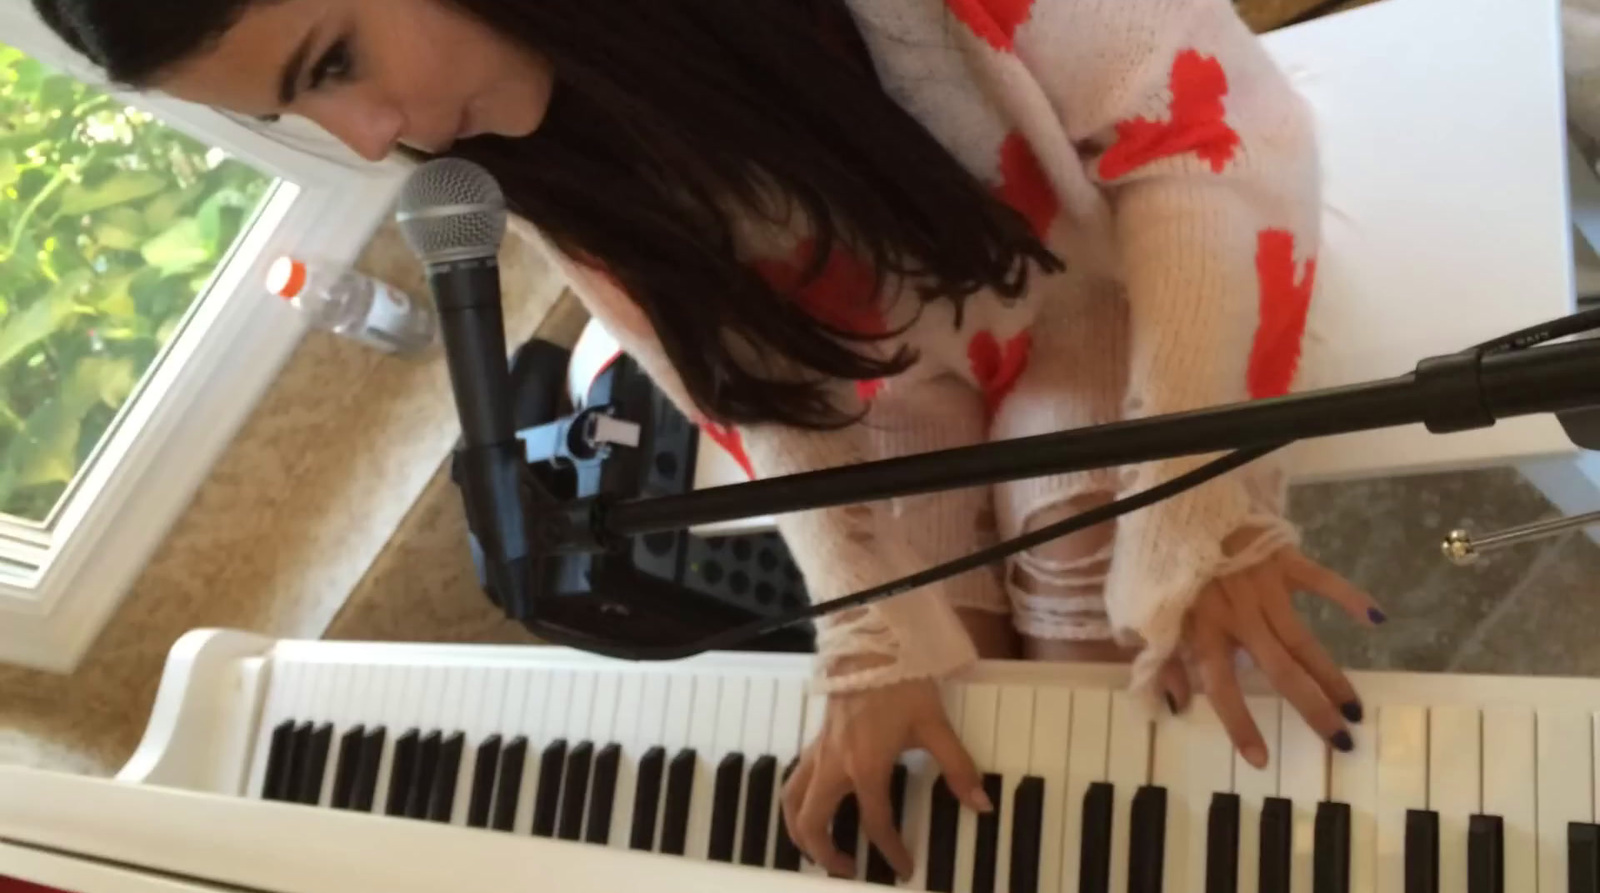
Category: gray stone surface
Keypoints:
(1528, 609)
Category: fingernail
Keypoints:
(1377, 617)
(1343, 743)
(1172, 703)
(979, 801)
(1353, 711)
(1256, 755)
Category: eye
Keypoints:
(335, 65)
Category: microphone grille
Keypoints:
(452, 209)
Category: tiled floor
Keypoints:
(1530, 609)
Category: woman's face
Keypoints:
(374, 73)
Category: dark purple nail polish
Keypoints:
(1343, 743)
(1353, 711)
(1172, 704)
(1377, 616)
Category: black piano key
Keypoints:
(442, 793)
(758, 811)
(646, 799)
(1027, 833)
(1422, 851)
(1277, 842)
(1486, 871)
(552, 765)
(1222, 845)
(1094, 858)
(483, 772)
(604, 797)
(986, 844)
(944, 819)
(420, 789)
(508, 784)
(367, 768)
(1583, 857)
(675, 812)
(1147, 840)
(316, 764)
(1330, 854)
(879, 871)
(344, 771)
(275, 785)
(785, 855)
(405, 763)
(847, 826)
(725, 808)
(575, 793)
(295, 773)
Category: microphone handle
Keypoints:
(472, 326)
(467, 293)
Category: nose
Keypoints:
(370, 128)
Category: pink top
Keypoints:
(1160, 152)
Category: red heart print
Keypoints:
(997, 368)
(1196, 123)
(1024, 185)
(1285, 304)
(996, 21)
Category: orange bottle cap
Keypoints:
(286, 278)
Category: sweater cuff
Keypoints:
(909, 637)
(1166, 554)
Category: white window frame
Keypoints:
(61, 581)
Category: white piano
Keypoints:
(304, 767)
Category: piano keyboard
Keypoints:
(1456, 784)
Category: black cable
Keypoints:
(1576, 324)
(745, 632)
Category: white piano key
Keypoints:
(558, 708)
(1169, 769)
(919, 791)
(979, 711)
(335, 703)
(1454, 772)
(580, 707)
(1353, 780)
(475, 722)
(602, 720)
(1565, 768)
(703, 738)
(1209, 772)
(1129, 769)
(755, 744)
(1013, 740)
(788, 717)
(534, 704)
(1303, 781)
(667, 703)
(1088, 761)
(1402, 785)
(1254, 786)
(1047, 758)
(626, 731)
(1510, 783)
(810, 728)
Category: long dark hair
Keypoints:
(670, 122)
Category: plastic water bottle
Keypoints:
(354, 305)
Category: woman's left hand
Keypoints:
(1254, 610)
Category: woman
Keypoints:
(859, 228)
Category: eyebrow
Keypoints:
(289, 81)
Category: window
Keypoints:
(134, 332)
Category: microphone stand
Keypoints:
(1458, 392)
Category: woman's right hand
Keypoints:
(862, 737)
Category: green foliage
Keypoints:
(110, 225)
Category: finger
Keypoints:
(1331, 585)
(1174, 681)
(1213, 653)
(1290, 679)
(794, 794)
(960, 773)
(1306, 649)
(828, 789)
(877, 819)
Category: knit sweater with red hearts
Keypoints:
(1156, 148)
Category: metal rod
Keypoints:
(1463, 549)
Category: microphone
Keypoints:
(453, 215)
